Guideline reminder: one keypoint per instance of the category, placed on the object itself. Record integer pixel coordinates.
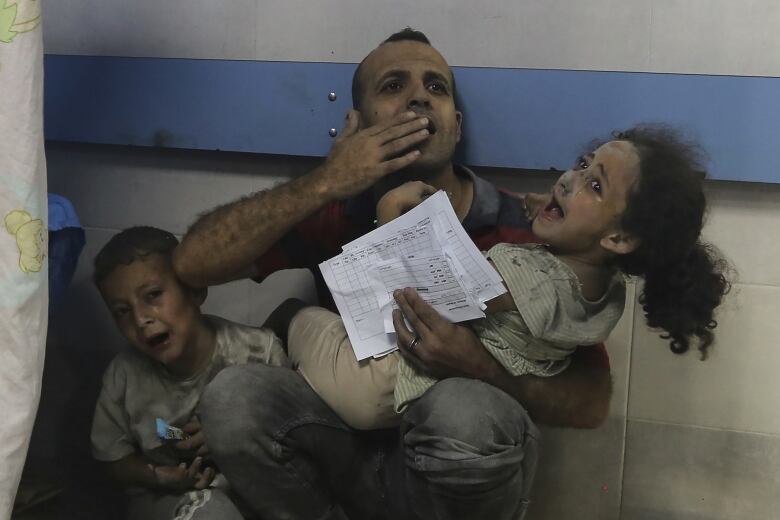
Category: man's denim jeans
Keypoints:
(465, 450)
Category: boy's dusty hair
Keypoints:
(130, 245)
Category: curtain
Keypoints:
(23, 235)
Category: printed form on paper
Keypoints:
(427, 249)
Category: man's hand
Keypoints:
(578, 397)
(444, 349)
(532, 203)
(359, 158)
(196, 442)
(399, 200)
(535, 202)
(182, 477)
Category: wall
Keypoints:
(686, 440)
(535, 77)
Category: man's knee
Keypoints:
(260, 402)
(470, 439)
(239, 401)
(467, 418)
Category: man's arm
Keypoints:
(224, 244)
(578, 397)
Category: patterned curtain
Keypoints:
(23, 234)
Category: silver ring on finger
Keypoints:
(414, 342)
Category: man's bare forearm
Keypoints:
(224, 244)
(577, 398)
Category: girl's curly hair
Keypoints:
(684, 278)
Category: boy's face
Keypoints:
(156, 314)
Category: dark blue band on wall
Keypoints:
(512, 117)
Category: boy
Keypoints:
(176, 351)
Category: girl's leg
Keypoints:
(360, 393)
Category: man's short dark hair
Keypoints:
(130, 245)
(407, 34)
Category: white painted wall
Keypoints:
(681, 36)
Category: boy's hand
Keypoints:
(399, 200)
(196, 442)
(183, 478)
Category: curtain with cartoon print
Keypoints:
(23, 264)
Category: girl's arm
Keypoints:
(502, 303)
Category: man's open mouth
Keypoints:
(431, 127)
(158, 339)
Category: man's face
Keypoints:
(409, 75)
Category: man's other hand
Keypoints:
(532, 203)
(399, 200)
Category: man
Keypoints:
(467, 447)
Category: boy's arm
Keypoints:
(136, 470)
(133, 470)
(578, 397)
(224, 244)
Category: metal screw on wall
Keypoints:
(332, 97)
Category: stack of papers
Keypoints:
(427, 249)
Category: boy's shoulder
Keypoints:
(126, 366)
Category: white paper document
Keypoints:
(426, 248)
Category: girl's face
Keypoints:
(588, 201)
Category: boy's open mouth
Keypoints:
(431, 127)
(158, 339)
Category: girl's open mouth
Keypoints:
(553, 210)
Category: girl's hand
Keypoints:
(399, 200)
(182, 477)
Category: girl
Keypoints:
(633, 206)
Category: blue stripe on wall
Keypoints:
(513, 117)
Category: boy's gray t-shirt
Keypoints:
(137, 389)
